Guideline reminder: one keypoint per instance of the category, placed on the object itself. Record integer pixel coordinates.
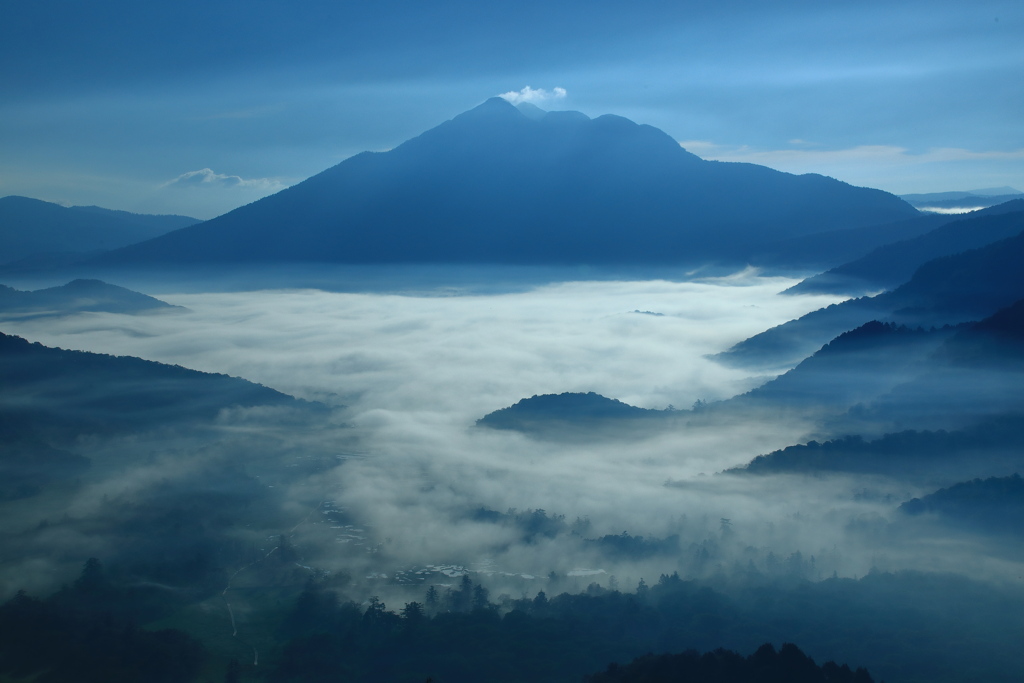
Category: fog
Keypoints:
(407, 375)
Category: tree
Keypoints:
(93, 578)
(481, 597)
(432, 599)
(412, 615)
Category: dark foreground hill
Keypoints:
(34, 228)
(766, 665)
(52, 398)
(496, 185)
(77, 296)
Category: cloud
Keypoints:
(416, 370)
(207, 178)
(533, 96)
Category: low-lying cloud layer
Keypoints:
(415, 372)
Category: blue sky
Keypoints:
(197, 107)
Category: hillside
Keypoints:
(59, 394)
(992, 504)
(552, 412)
(947, 290)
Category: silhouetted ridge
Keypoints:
(995, 341)
(766, 665)
(994, 443)
(948, 290)
(996, 503)
(567, 407)
(67, 392)
(495, 185)
(856, 366)
(892, 264)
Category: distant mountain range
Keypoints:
(497, 185)
(958, 202)
(77, 296)
(44, 233)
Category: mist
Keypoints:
(407, 375)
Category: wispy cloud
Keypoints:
(206, 177)
(533, 95)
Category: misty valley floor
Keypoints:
(391, 488)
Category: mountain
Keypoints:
(960, 194)
(60, 394)
(497, 185)
(893, 264)
(947, 290)
(976, 373)
(30, 228)
(553, 412)
(823, 250)
(76, 297)
(856, 366)
(53, 398)
(991, 505)
(958, 202)
(996, 341)
(994, 445)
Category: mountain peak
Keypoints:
(494, 106)
(496, 185)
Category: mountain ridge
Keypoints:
(31, 227)
(495, 185)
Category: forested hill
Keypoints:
(68, 392)
(766, 665)
(992, 504)
(948, 290)
(496, 185)
(993, 445)
(552, 411)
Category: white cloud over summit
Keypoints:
(533, 95)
